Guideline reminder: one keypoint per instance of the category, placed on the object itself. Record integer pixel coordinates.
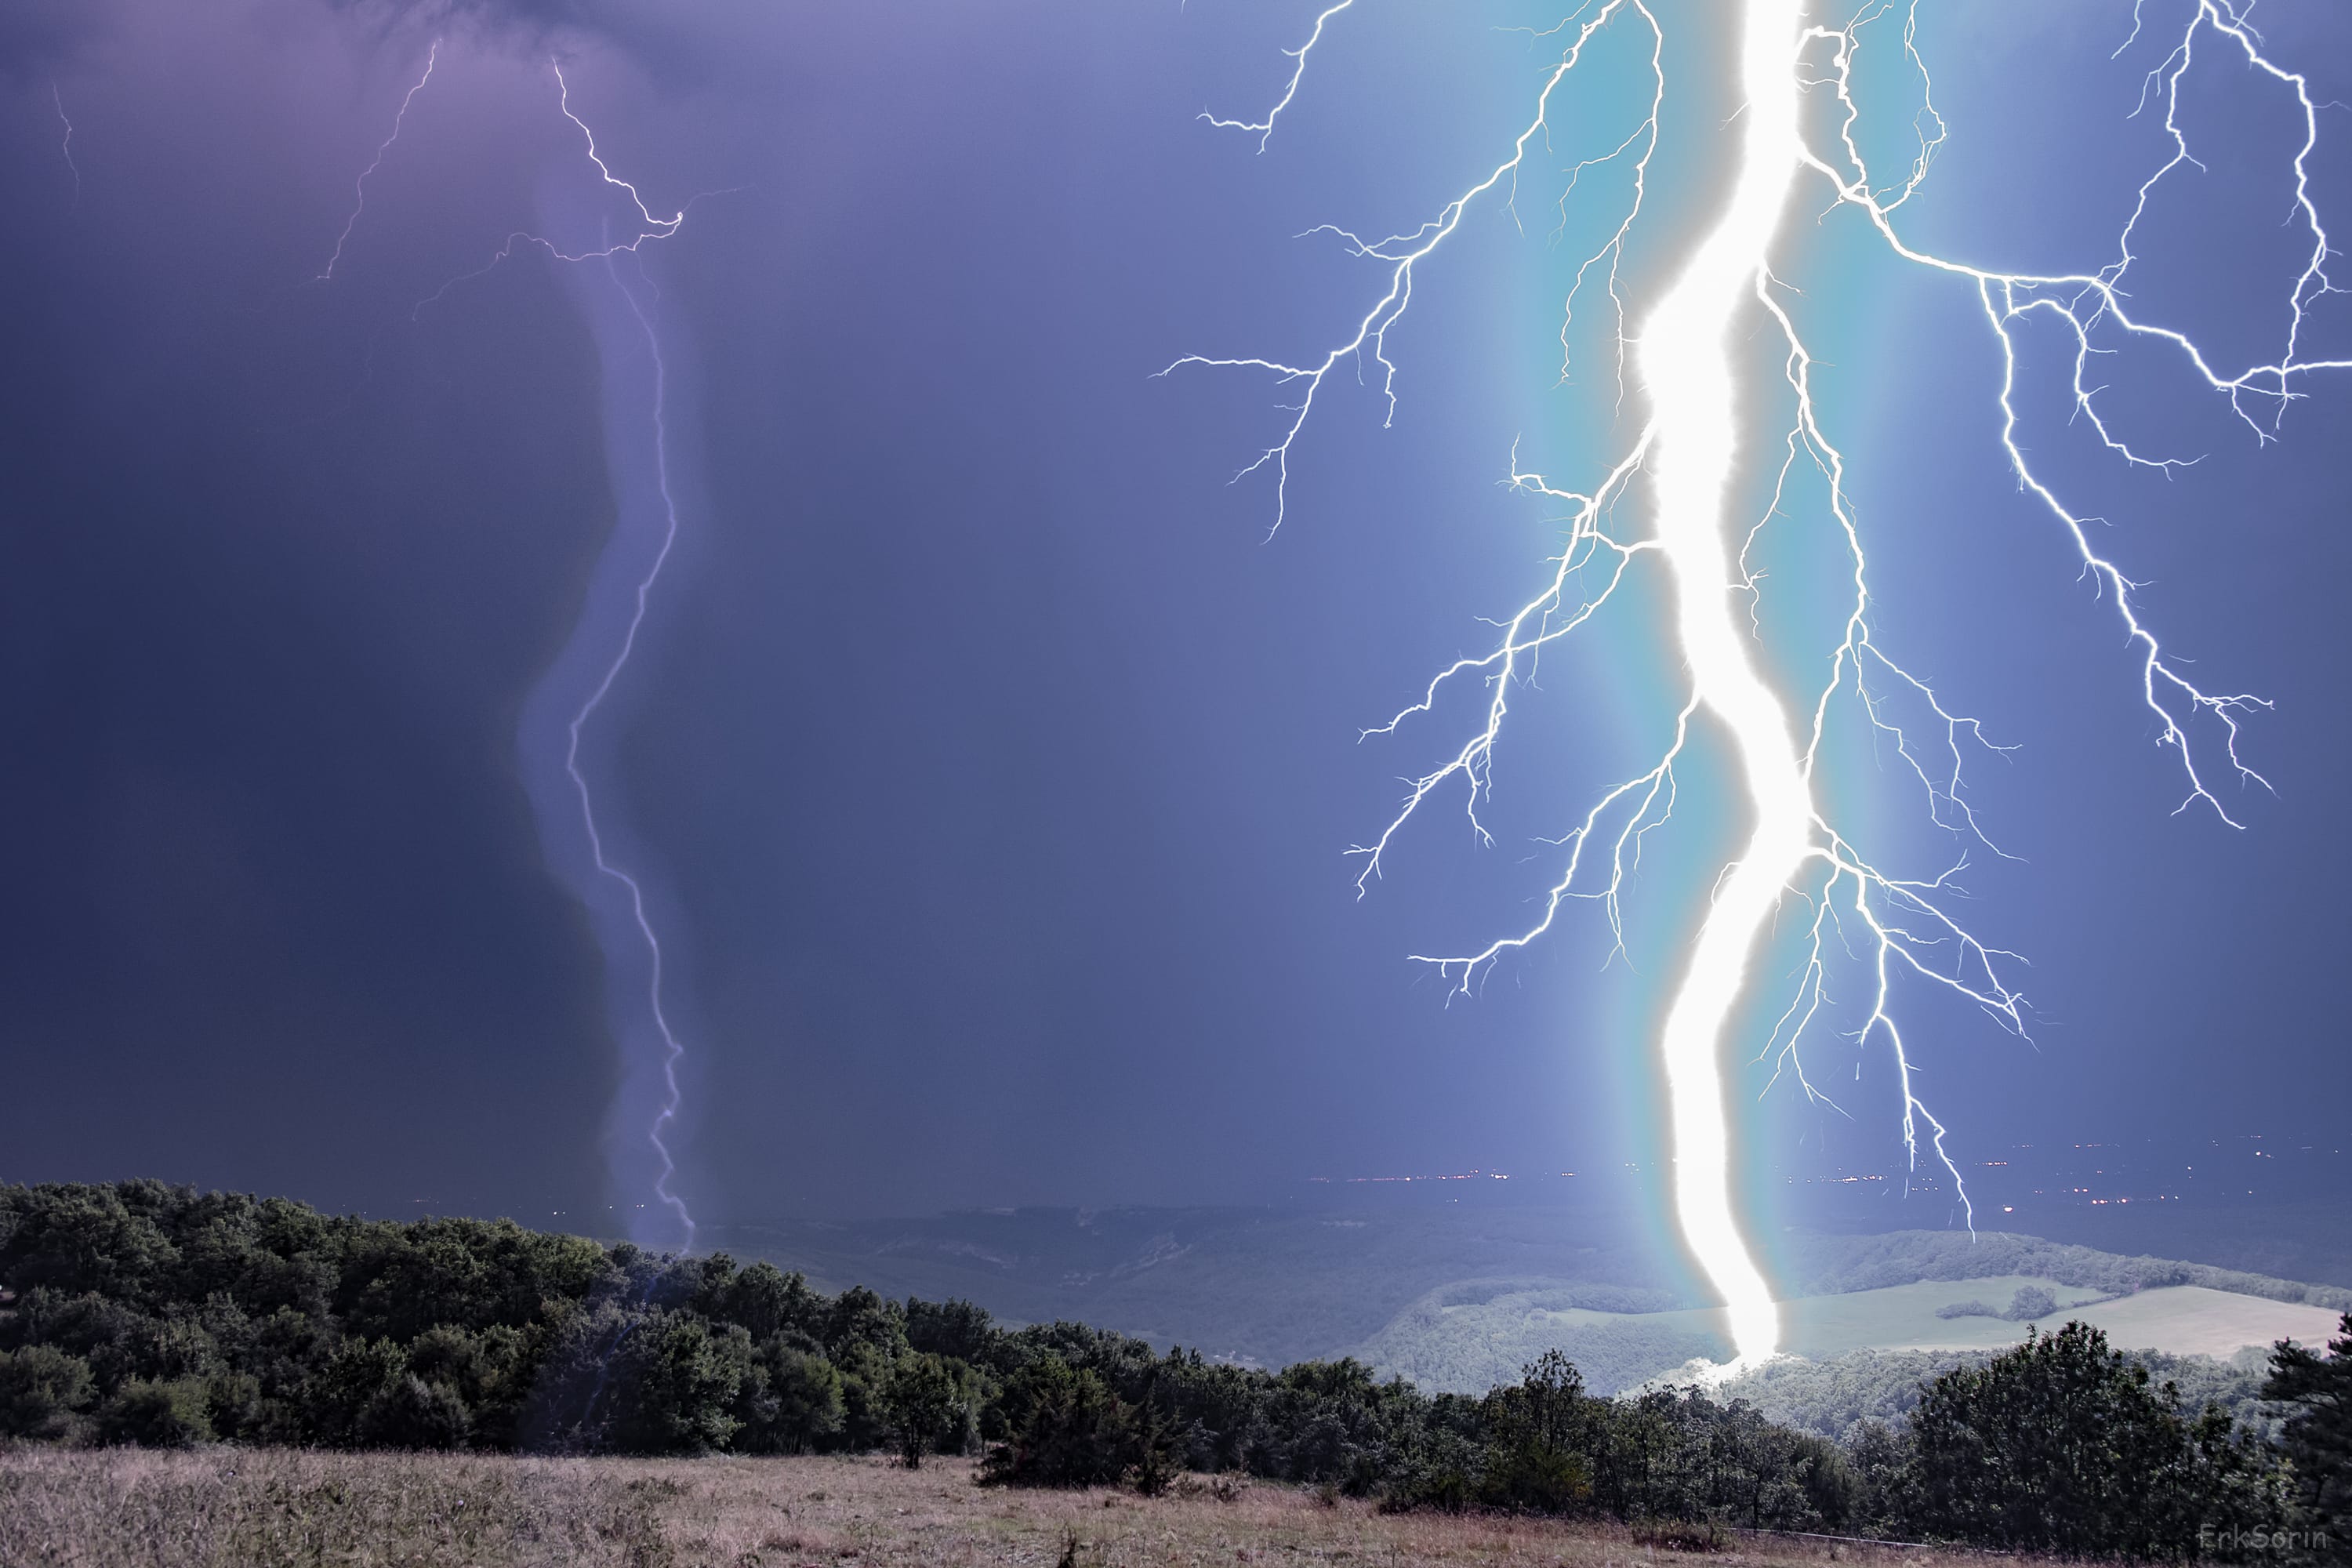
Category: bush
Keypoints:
(1066, 1429)
(2317, 1393)
(41, 1387)
(927, 1410)
(156, 1415)
(807, 1411)
(415, 1414)
(2062, 1445)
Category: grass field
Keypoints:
(2190, 1320)
(1468, 1346)
(263, 1509)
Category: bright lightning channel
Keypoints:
(1686, 448)
(649, 227)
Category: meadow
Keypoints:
(1447, 1343)
(230, 1508)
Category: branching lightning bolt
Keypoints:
(1684, 448)
(648, 225)
(648, 228)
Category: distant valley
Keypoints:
(1460, 1296)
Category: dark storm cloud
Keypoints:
(676, 45)
(37, 35)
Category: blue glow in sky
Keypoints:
(994, 773)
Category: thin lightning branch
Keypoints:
(1265, 128)
(1898, 928)
(1404, 252)
(64, 147)
(359, 186)
(648, 225)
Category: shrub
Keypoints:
(41, 1387)
(2062, 1445)
(1066, 1429)
(156, 1415)
(926, 1408)
(2318, 1393)
(413, 1413)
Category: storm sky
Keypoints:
(991, 770)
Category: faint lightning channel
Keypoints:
(1686, 450)
(671, 1049)
(64, 147)
(648, 227)
(359, 186)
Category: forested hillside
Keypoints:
(139, 1313)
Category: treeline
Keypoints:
(143, 1313)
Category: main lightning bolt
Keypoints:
(1686, 448)
(648, 227)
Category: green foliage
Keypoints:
(41, 1388)
(142, 1313)
(1065, 1428)
(672, 1385)
(2316, 1437)
(156, 1415)
(797, 1404)
(925, 1403)
(2063, 1445)
(410, 1412)
(1541, 1431)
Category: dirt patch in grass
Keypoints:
(230, 1508)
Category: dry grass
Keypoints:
(258, 1508)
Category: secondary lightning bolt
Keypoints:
(648, 228)
(671, 1049)
(1685, 448)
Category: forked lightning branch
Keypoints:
(1664, 502)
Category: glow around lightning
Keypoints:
(1684, 452)
(648, 227)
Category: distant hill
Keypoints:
(1460, 1297)
(1261, 1287)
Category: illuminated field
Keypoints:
(1468, 1345)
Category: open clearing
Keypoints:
(229, 1507)
(1467, 1347)
(2190, 1320)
